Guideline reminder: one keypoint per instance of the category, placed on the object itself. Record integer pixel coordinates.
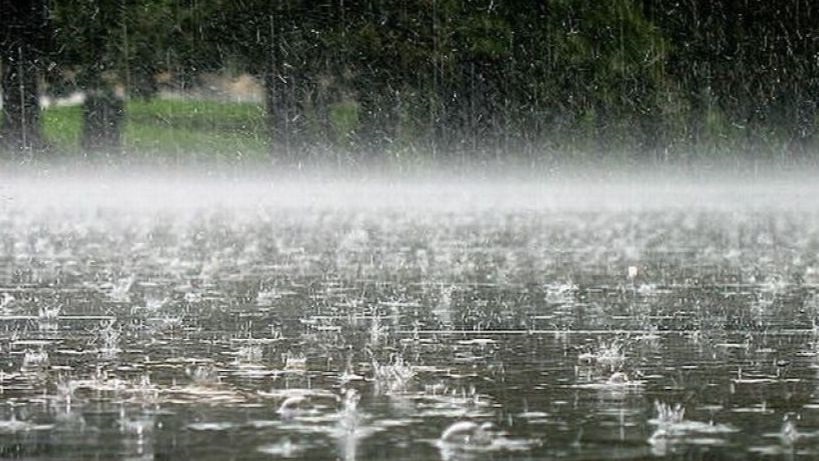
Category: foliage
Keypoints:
(479, 77)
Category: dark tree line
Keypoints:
(479, 77)
(24, 44)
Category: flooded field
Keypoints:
(489, 322)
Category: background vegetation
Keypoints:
(349, 81)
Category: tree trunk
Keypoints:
(285, 116)
(23, 42)
(21, 108)
(284, 83)
(804, 128)
(276, 97)
(103, 114)
(378, 120)
(103, 111)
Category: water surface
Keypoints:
(360, 321)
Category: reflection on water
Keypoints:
(355, 333)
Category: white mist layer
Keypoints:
(180, 193)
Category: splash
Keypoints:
(107, 335)
(392, 377)
(205, 375)
(673, 429)
(608, 355)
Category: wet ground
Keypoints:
(438, 327)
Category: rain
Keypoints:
(429, 229)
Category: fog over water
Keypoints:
(555, 190)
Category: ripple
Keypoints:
(283, 449)
(212, 426)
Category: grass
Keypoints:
(189, 129)
(62, 127)
(194, 144)
(198, 114)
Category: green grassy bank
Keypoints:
(188, 129)
(184, 131)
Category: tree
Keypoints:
(112, 50)
(90, 52)
(24, 43)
